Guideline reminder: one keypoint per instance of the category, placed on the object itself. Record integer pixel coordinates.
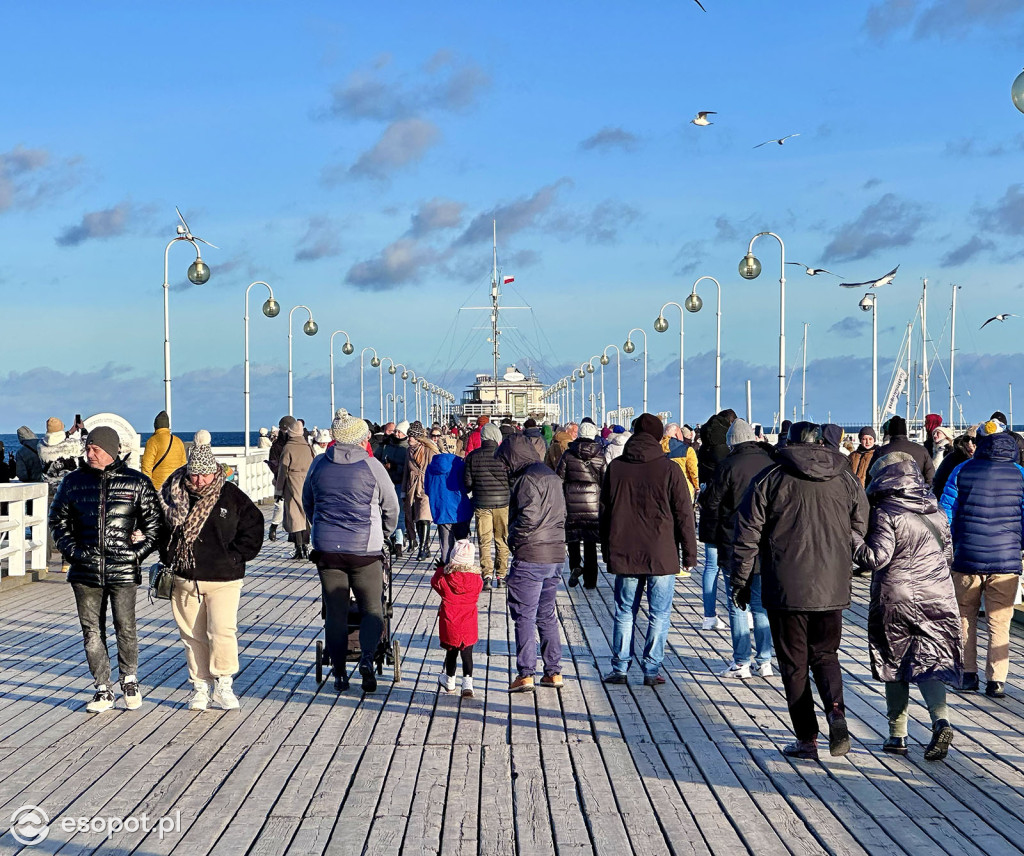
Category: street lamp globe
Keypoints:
(375, 362)
(271, 308)
(1017, 92)
(198, 272)
(750, 267)
(347, 348)
(590, 368)
(392, 370)
(423, 383)
(604, 359)
(628, 346)
(310, 327)
(405, 375)
(660, 324)
(693, 303)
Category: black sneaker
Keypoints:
(838, 734)
(341, 683)
(102, 701)
(995, 689)
(895, 746)
(369, 679)
(942, 736)
(615, 678)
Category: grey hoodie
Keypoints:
(29, 467)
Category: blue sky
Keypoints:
(354, 159)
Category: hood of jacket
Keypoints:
(714, 431)
(812, 462)
(346, 453)
(902, 485)
(752, 446)
(641, 448)
(442, 463)
(27, 437)
(677, 448)
(619, 439)
(994, 447)
(586, 450)
(489, 446)
(519, 451)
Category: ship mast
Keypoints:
(495, 294)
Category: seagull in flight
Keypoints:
(185, 232)
(1001, 317)
(780, 141)
(812, 271)
(701, 5)
(702, 118)
(873, 283)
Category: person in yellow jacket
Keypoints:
(684, 455)
(164, 452)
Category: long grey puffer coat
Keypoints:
(914, 629)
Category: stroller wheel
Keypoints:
(319, 661)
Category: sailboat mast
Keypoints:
(952, 353)
(925, 391)
(803, 379)
(494, 311)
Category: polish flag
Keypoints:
(505, 280)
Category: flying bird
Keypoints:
(702, 118)
(185, 232)
(780, 141)
(701, 5)
(1001, 317)
(812, 271)
(875, 283)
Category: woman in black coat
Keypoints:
(581, 469)
(914, 633)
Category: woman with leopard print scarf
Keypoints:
(212, 529)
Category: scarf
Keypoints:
(423, 452)
(186, 523)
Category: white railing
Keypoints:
(23, 551)
(253, 475)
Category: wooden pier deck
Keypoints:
(688, 768)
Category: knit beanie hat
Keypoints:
(867, 431)
(931, 422)
(897, 427)
(491, 432)
(402, 427)
(296, 429)
(416, 430)
(263, 432)
(286, 422)
(999, 416)
(463, 558)
(54, 425)
(349, 430)
(201, 461)
(946, 432)
(483, 420)
(162, 421)
(990, 427)
(740, 432)
(889, 460)
(588, 430)
(648, 423)
(106, 438)
(530, 423)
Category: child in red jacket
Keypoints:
(459, 583)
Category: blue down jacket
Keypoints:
(984, 503)
(449, 501)
(913, 621)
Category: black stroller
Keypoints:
(388, 651)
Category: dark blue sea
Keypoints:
(220, 438)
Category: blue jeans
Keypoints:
(629, 591)
(710, 579)
(532, 588)
(740, 626)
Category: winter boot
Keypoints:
(467, 686)
(446, 682)
(272, 534)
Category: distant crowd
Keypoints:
(939, 525)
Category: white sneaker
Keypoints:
(467, 686)
(201, 697)
(736, 671)
(223, 697)
(710, 623)
(764, 670)
(131, 692)
(446, 682)
(102, 700)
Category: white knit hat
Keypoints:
(349, 430)
(403, 426)
(588, 430)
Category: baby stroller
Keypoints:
(388, 651)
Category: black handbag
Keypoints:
(161, 582)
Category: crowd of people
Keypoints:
(939, 526)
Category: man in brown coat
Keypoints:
(559, 443)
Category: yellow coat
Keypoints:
(155, 448)
(688, 465)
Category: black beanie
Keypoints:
(867, 431)
(162, 421)
(1000, 416)
(897, 427)
(648, 423)
(107, 439)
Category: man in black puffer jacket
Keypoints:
(581, 469)
(486, 479)
(105, 520)
(713, 446)
(536, 535)
(798, 518)
(900, 442)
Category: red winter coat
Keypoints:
(457, 618)
(473, 440)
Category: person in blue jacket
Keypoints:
(450, 505)
(984, 502)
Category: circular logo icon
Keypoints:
(30, 825)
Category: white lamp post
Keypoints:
(309, 328)
(271, 308)
(404, 399)
(375, 362)
(750, 268)
(618, 380)
(869, 303)
(629, 347)
(660, 326)
(693, 303)
(347, 350)
(590, 371)
(198, 274)
(380, 371)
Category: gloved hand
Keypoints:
(741, 597)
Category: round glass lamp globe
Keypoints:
(628, 346)
(750, 267)
(1017, 92)
(392, 370)
(405, 375)
(660, 324)
(310, 327)
(590, 368)
(271, 308)
(375, 361)
(347, 348)
(604, 359)
(198, 272)
(693, 303)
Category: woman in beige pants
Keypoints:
(212, 530)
